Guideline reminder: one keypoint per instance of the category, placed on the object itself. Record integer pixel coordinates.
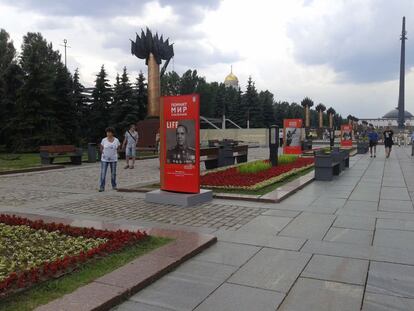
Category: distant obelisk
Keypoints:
(401, 102)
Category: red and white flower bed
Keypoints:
(34, 251)
(231, 178)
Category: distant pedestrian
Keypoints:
(412, 144)
(373, 141)
(157, 141)
(110, 146)
(388, 140)
(130, 145)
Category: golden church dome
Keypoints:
(231, 77)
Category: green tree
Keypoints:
(65, 107)
(266, 102)
(101, 106)
(81, 106)
(10, 83)
(170, 83)
(141, 96)
(126, 109)
(251, 105)
(36, 122)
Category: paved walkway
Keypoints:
(340, 245)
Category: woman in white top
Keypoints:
(110, 146)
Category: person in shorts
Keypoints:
(388, 140)
(109, 157)
(373, 141)
(130, 146)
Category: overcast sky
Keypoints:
(343, 53)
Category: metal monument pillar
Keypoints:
(401, 102)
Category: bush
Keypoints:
(254, 167)
(287, 158)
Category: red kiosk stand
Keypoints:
(180, 153)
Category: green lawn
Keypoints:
(53, 289)
(18, 161)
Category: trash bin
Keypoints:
(91, 152)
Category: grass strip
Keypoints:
(50, 290)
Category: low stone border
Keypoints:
(34, 169)
(113, 288)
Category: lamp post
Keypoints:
(273, 144)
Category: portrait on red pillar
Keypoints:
(180, 143)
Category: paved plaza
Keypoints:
(340, 245)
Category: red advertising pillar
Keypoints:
(346, 135)
(180, 143)
(292, 136)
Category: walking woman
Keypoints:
(373, 141)
(110, 146)
(388, 140)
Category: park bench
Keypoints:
(223, 155)
(49, 153)
(331, 164)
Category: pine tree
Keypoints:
(126, 109)
(81, 106)
(10, 83)
(101, 106)
(65, 107)
(266, 103)
(251, 104)
(141, 96)
(36, 123)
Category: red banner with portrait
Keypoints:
(292, 136)
(346, 135)
(180, 143)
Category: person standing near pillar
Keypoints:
(388, 140)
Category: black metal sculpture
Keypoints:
(154, 50)
(148, 44)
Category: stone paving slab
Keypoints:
(232, 297)
(377, 302)
(391, 279)
(271, 269)
(309, 294)
(309, 225)
(337, 269)
(344, 235)
(262, 240)
(186, 287)
(394, 239)
(352, 222)
(228, 254)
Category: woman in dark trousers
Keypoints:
(388, 142)
(110, 146)
(373, 140)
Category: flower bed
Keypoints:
(34, 251)
(231, 178)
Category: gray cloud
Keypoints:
(360, 43)
(102, 8)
